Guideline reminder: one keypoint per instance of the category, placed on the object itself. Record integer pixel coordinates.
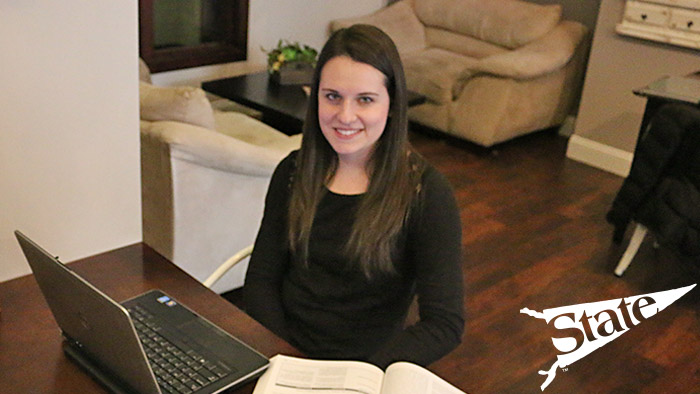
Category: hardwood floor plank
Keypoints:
(535, 236)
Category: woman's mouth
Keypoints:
(347, 132)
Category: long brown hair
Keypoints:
(393, 179)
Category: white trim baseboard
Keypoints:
(595, 154)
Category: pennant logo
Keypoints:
(587, 327)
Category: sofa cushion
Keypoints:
(543, 56)
(433, 72)
(510, 23)
(461, 43)
(397, 20)
(185, 104)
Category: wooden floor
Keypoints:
(535, 237)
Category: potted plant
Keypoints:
(291, 63)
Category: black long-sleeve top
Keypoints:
(329, 309)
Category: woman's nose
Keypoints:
(347, 113)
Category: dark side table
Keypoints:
(282, 106)
(669, 89)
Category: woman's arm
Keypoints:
(434, 247)
(268, 263)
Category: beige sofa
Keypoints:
(204, 175)
(491, 69)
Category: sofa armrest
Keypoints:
(212, 149)
(537, 58)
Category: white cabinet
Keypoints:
(674, 22)
(685, 20)
(646, 13)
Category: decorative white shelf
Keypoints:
(675, 22)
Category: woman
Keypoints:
(356, 224)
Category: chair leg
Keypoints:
(637, 237)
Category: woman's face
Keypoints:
(353, 105)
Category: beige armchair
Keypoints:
(491, 70)
(204, 176)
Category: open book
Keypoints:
(292, 375)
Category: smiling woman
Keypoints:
(353, 106)
(356, 224)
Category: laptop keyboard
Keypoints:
(178, 367)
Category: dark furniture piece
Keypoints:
(649, 164)
(662, 191)
(666, 90)
(31, 355)
(217, 33)
(283, 106)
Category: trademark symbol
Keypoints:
(565, 369)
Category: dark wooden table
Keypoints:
(283, 106)
(31, 356)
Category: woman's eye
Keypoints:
(332, 96)
(366, 100)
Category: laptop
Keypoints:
(148, 344)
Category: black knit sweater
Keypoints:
(329, 309)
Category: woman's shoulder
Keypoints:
(284, 172)
(288, 164)
(290, 160)
(436, 203)
(430, 177)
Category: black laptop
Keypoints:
(148, 344)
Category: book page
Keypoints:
(407, 378)
(292, 375)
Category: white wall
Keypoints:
(269, 21)
(610, 115)
(69, 143)
(69, 139)
(298, 20)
